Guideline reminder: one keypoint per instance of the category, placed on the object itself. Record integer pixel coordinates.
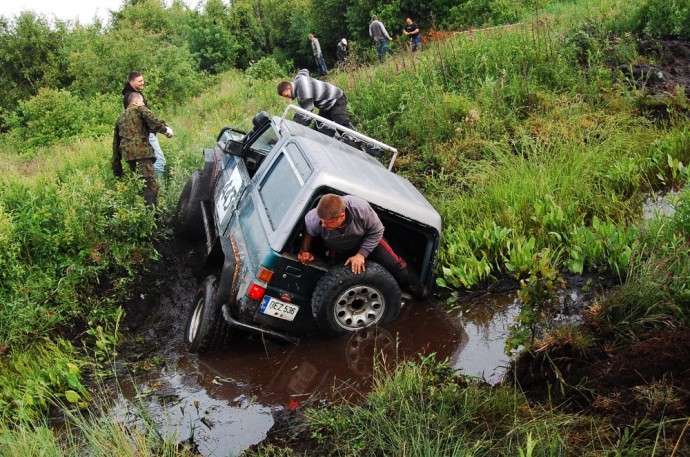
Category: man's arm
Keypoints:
(154, 123)
(373, 231)
(385, 32)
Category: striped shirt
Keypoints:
(311, 92)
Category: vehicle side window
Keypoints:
(279, 188)
(301, 164)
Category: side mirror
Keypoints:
(230, 140)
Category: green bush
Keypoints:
(664, 19)
(10, 266)
(266, 68)
(34, 380)
(52, 115)
(477, 13)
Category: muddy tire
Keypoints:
(188, 222)
(206, 329)
(345, 302)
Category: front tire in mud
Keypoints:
(345, 302)
(188, 223)
(206, 329)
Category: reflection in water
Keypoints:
(222, 402)
(486, 323)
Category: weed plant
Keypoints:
(425, 409)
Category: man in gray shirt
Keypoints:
(353, 232)
(381, 37)
(318, 55)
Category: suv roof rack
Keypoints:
(343, 129)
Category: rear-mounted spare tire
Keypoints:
(345, 302)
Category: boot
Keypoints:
(160, 177)
(410, 283)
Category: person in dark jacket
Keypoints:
(411, 30)
(353, 232)
(135, 83)
(341, 50)
(131, 143)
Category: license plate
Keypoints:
(276, 308)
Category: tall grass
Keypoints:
(425, 410)
(517, 134)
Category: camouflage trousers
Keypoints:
(144, 168)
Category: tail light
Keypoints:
(258, 288)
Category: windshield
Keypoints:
(264, 143)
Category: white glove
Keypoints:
(168, 132)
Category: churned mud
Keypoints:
(223, 403)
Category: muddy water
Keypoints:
(223, 402)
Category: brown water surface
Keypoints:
(223, 402)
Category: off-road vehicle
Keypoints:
(247, 204)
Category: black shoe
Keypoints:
(373, 151)
(418, 291)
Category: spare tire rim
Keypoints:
(359, 307)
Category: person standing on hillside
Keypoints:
(318, 55)
(309, 92)
(341, 51)
(381, 37)
(135, 83)
(131, 143)
(411, 30)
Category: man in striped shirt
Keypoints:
(311, 93)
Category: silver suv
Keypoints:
(248, 205)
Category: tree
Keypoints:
(32, 55)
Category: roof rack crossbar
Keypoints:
(343, 129)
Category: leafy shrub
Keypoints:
(35, 379)
(475, 13)
(266, 68)
(10, 267)
(664, 19)
(50, 116)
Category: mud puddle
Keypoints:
(222, 403)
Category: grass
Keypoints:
(423, 409)
(532, 150)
